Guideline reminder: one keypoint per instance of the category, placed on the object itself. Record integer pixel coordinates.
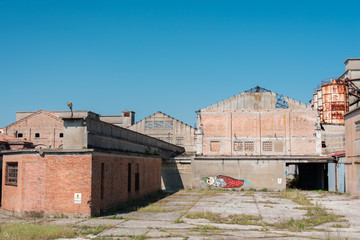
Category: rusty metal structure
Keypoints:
(332, 99)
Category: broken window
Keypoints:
(11, 173)
(267, 146)
(169, 124)
(214, 146)
(159, 125)
(37, 135)
(180, 141)
(61, 135)
(249, 146)
(238, 146)
(148, 124)
(19, 135)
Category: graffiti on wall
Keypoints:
(223, 181)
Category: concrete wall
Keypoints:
(48, 181)
(352, 145)
(259, 174)
(92, 133)
(259, 132)
(47, 125)
(333, 138)
(170, 130)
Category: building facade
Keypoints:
(255, 136)
(100, 167)
(352, 169)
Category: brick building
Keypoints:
(258, 135)
(100, 166)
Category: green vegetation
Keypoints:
(94, 230)
(20, 231)
(208, 230)
(240, 219)
(296, 196)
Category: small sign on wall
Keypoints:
(77, 198)
(279, 180)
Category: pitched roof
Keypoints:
(164, 115)
(257, 98)
(8, 139)
(50, 114)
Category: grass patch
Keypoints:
(240, 219)
(208, 230)
(20, 231)
(316, 216)
(296, 196)
(154, 208)
(94, 230)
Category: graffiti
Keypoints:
(223, 181)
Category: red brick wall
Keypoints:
(47, 184)
(46, 124)
(115, 181)
(293, 131)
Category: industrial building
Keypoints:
(99, 166)
(258, 135)
(176, 172)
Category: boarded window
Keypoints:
(11, 174)
(214, 146)
(159, 125)
(169, 124)
(180, 141)
(357, 126)
(148, 124)
(238, 146)
(249, 146)
(267, 146)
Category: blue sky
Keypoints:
(171, 56)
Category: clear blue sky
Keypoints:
(171, 56)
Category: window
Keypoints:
(37, 135)
(159, 125)
(129, 177)
(19, 135)
(180, 141)
(249, 146)
(11, 174)
(102, 180)
(267, 146)
(169, 124)
(238, 146)
(148, 124)
(214, 146)
(357, 126)
(61, 135)
(137, 178)
(323, 144)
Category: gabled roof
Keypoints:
(50, 114)
(257, 98)
(159, 112)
